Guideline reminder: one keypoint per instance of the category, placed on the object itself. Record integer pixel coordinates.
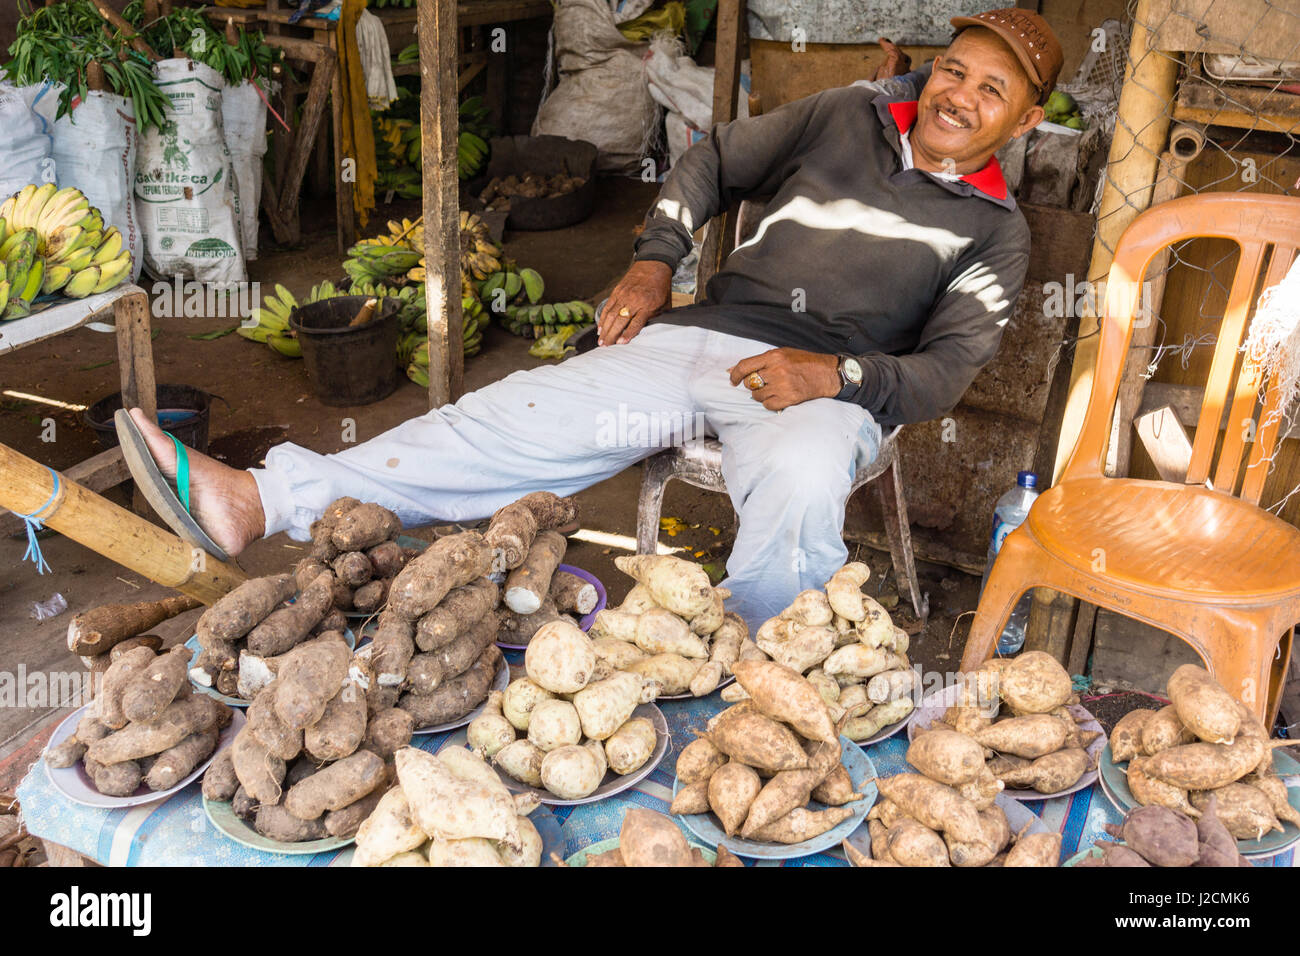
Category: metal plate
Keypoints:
(580, 858)
(585, 623)
(241, 831)
(1018, 815)
(75, 784)
(689, 696)
(889, 730)
(861, 771)
(613, 783)
(500, 682)
(1115, 786)
(193, 645)
(932, 707)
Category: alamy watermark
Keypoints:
(189, 298)
(635, 429)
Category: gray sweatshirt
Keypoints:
(913, 274)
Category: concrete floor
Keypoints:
(267, 399)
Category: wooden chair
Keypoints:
(1199, 558)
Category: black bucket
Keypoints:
(183, 410)
(348, 366)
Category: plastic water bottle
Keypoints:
(1010, 511)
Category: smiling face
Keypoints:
(977, 99)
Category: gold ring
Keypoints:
(754, 381)
(624, 312)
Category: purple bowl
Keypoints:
(586, 622)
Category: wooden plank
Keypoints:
(1242, 107)
(1166, 442)
(1081, 640)
(1051, 623)
(715, 244)
(1264, 28)
(438, 131)
(1133, 654)
(344, 211)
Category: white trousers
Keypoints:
(565, 427)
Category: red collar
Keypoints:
(987, 180)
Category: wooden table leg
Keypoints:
(135, 362)
(59, 855)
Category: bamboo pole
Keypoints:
(114, 532)
(1141, 131)
(441, 184)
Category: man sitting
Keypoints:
(875, 288)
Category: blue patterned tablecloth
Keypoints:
(176, 832)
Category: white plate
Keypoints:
(613, 782)
(74, 783)
(932, 707)
(500, 682)
(1017, 816)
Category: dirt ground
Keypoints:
(266, 399)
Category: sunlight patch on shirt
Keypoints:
(850, 214)
(672, 209)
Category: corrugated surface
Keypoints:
(858, 21)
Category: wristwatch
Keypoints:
(850, 370)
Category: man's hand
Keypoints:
(788, 376)
(896, 61)
(639, 296)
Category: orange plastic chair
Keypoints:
(1198, 559)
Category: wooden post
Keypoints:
(715, 244)
(438, 132)
(1141, 131)
(89, 519)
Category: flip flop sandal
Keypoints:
(171, 500)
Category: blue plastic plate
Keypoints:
(861, 771)
(1114, 779)
(193, 645)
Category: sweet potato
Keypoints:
(732, 789)
(277, 823)
(456, 613)
(456, 697)
(1118, 855)
(1036, 849)
(727, 639)
(809, 608)
(513, 528)
(387, 731)
(934, 804)
(1034, 683)
(560, 658)
(708, 621)
(448, 563)
(844, 591)
(878, 718)
(605, 705)
(997, 834)
(426, 671)
(341, 728)
(744, 734)
(682, 587)
(572, 594)
(570, 772)
(1126, 738)
(859, 660)
(177, 721)
(120, 779)
(335, 786)
(1057, 771)
(912, 844)
(288, 626)
(1164, 729)
(176, 763)
(1029, 736)
(1203, 705)
(783, 695)
(522, 761)
(691, 798)
(698, 761)
(552, 724)
(353, 568)
(797, 647)
(836, 788)
(386, 559)
(236, 614)
(490, 730)
(1202, 766)
(309, 678)
(519, 699)
(530, 854)
(892, 685)
(706, 679)
(260, 774)
(946, 756)
(801, 824)
(149, 690)
(1149, 791)
(651, 839)
(1218, 847)
(1244, 810)
(618, 653)
(219, 780)
(371, 596)
(785, 791)
(364, 526)
(659, 631)
(1161, 836)
(1268, 784)
(983, 791)
(109, 707)
(629, 747)
(271, 732)
(673, 672)
(346, 821)
(388, 831)
(530, 582)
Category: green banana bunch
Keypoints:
(471, 151)
(537, 320)
(272, 326)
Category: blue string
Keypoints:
(34, 525)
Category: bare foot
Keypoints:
(223, 500)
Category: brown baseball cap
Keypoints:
(1030, 39)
